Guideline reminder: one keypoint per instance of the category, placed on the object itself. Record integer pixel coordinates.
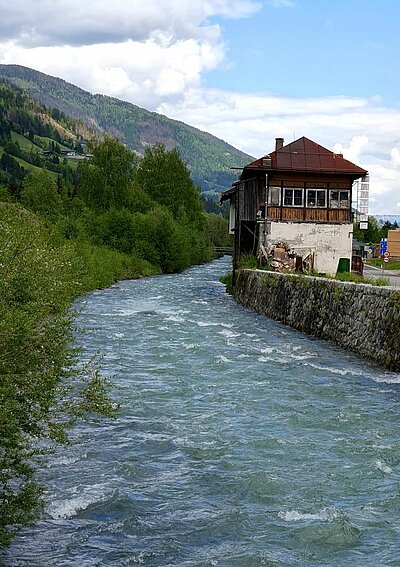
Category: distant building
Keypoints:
(293, 206)
(361, 201)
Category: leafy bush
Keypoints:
(218, 230)
(41, 394)
(227, 280)
(39, 193)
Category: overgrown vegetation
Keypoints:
(251, 263)
(378, 263)
(351, 277)
(118, 218)
(42, 393)
(227, 280)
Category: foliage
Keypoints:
(105, 180)
(161, 240)
(374, 232)
(5, 195)
(218, 229)
(250, 262)
(352, 277)
(119, 221)
(210, 159)
(227, 280)
(101, 266)
(40, 392)
(212, 205)
(26, 128)
(39, 193)
(166, 179)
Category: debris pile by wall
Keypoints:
(360, 317)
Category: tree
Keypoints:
(165, 177)
(105, 179)
(39, 193)
(160, 240)
(218, 230)
(42, 393)
(5, 196)
(114, 228)
(372, 233)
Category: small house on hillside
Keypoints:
(294, 205)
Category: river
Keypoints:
(239, 442)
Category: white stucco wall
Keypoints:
(328, 242)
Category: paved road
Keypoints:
(392, 275)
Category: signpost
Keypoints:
(382, 246)
(386, 257)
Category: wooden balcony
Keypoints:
(302, 214)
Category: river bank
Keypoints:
(359, 317)
(239, 441)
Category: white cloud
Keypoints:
(77, 22)
(145, 73)
(364, 130)
(146, 51)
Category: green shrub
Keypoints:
(41, 394)
(227, 280)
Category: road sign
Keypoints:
(386, 256)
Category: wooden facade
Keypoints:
(322, 199)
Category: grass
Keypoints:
(72, 162)
(48, 141)
(251, 263)
(227, 280)
(352, 277)
(377, 262)
(31, 167)
(25, 144)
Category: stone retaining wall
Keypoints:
(358, 317)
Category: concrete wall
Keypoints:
(328, 242)
(358, 317)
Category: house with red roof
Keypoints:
(293, 206)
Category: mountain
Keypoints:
(209, 159)
(388, 218)
(34, 138)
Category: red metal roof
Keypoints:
(305, 155)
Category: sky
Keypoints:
(247, 71)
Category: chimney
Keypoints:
(267, 161)
(279, 143)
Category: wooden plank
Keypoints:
(317, 215)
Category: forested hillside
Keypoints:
(208, 158)
(33, 138)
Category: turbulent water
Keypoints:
(239, 442)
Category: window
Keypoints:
(293, 197)
(339, 200)
(316, 198)
(274, 196)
